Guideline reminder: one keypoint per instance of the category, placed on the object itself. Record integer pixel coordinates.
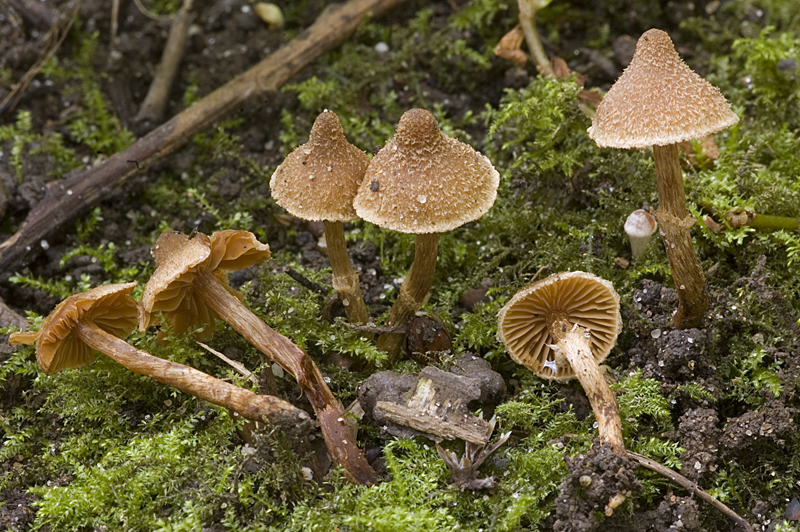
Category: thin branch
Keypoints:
(151, 113)
(689, 485)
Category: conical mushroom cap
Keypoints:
(525, 322)
(423, 181)
(109, 307)
(320, 178)
(178, 257)
(659, 100)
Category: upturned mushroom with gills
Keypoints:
(563, 327)
(318, 181)
(659, 101)
(423, 182)
(99, 319)
(190, 288)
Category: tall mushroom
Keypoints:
(423, 182)
(318, 181)
(660, 101)
(99, 319)
(563, 327)
(190, 287)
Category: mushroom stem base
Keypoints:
(345, 280)
(413, 291)
(185, 378)
(577, 349)
(341, 445)
(675, 224)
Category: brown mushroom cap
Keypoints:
(178, 257)
(580, 298)
(423, 181)
(109, 307)
(659, 100)
(320, 178)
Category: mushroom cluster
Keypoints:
(190, 290)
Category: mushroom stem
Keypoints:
(675, 224)
(185, 378)
(575, 345)
(290, 357)
(413, 291)
(345, 280)
(527, 16)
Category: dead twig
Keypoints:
(689, 485)
(79, 191)
(51, 43)
(151, 113)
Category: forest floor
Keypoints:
(100, 448)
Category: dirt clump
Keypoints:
(595, 479)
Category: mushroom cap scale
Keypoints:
(423, 181)
(659, 100)
(178, 257)
(320, 178)
(526, 322)
(108, 306)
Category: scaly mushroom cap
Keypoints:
(659, 100)
(178, 257)
(579, 298)
(320, 178)
(423, 181)
(109, 307)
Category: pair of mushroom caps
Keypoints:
(420, 182)
(190, 289)
(660, 101)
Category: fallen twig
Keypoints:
(689, 485)
(81, 190)
(151, 113)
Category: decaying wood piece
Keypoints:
(81, 190)
(434, 403)
(155, 103)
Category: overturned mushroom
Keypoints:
(563, 327)
(99, 319)
(660, 101)
(423, 182)
(318, 181)
(190, 287)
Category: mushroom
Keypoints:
(190, 287)
(640, 227)
(660, 101)
(563, 327)
(318, 181)
(423, 182)
(99, 319)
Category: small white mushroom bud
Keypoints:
(640, 227)
(270, 14)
